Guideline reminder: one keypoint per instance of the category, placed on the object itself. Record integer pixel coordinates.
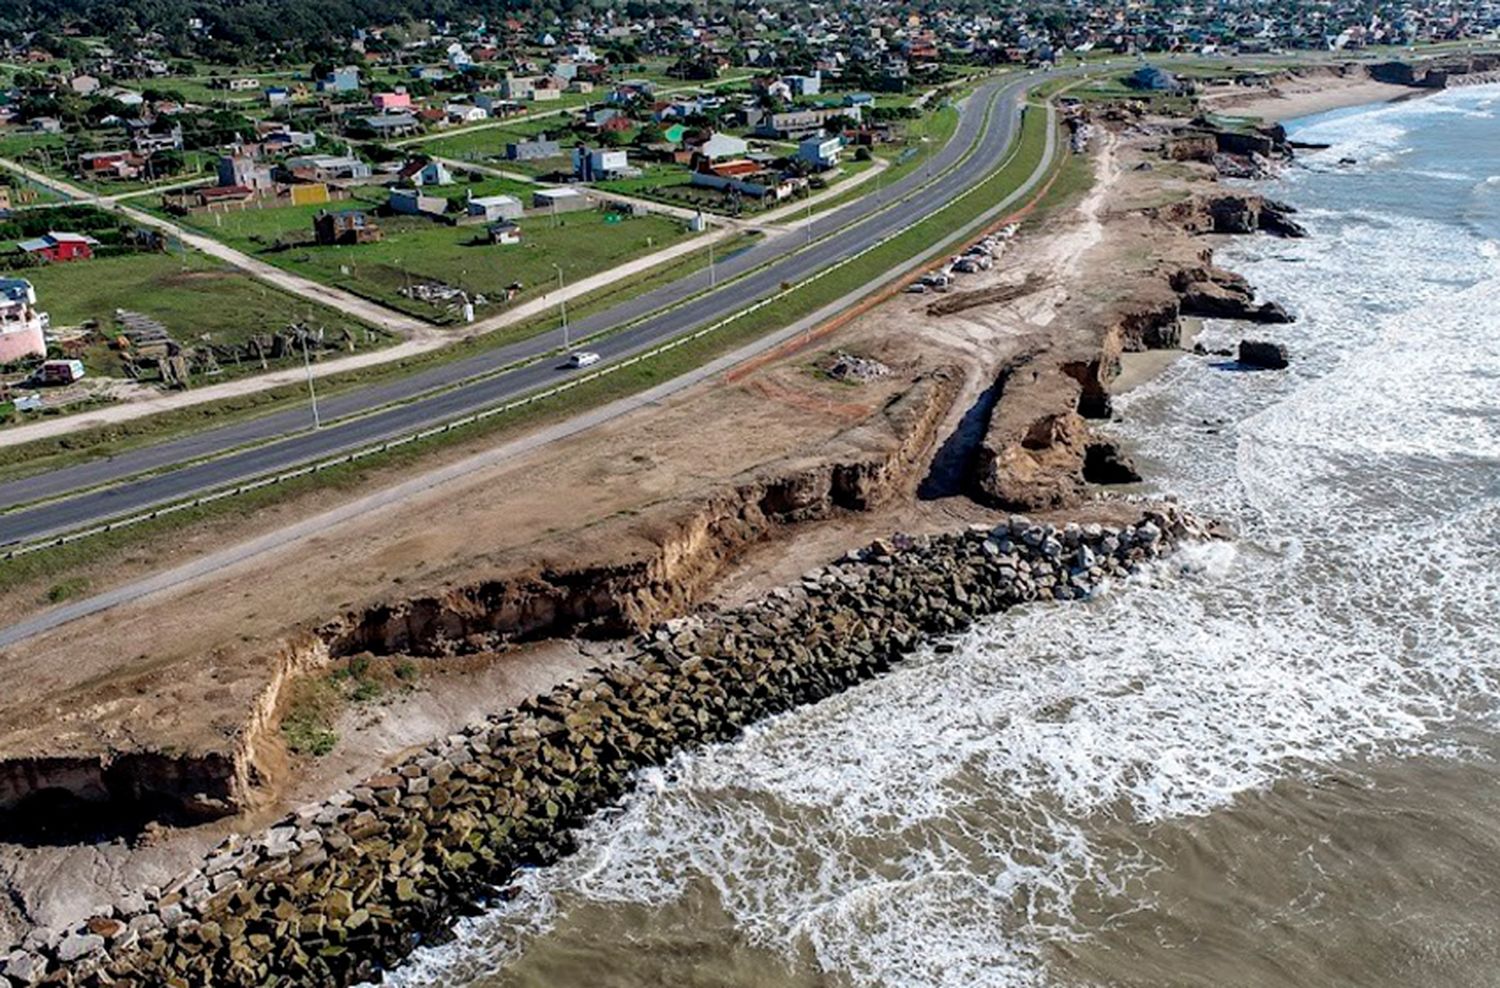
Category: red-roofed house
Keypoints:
(61, 246)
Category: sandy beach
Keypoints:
(1304, 96)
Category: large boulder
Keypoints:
(1214, 301)
(1275, 219)
(1263, 354)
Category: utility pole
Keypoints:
(562, 300)
(809, 217)
(312, 392)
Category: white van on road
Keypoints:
(583, 358)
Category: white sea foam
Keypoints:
(942, 825)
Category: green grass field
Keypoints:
(415, 250)
(486, 186)
(197, 299)
(54, 154)
(487, 144)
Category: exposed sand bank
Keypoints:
(1292, 96)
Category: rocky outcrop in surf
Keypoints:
(1231, 213)
(340, 890)
(1215, 293)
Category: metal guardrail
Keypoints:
(479, 416)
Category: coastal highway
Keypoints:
(136, 480)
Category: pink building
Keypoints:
(22, 327)
(391, 102)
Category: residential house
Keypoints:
(599, 164)
(23, 328)
(84, 85)
(804, 85)
(59, 247)
(276, 95)
(283, 141)
(390, 102)
(548, 89)
(245, 170)
(157, 135)
(797, 124)
(746, 177)
(327, 168)
(497, 106)
(532, 150)
(820, 152)
(422, 173)
(411, 202)
(342, 80)
(518, 87)
(465, 112)
(345, 227)
(492, 208)
(126, 97)
(110, 164)
(559, 200)
(720, 146)
(504, 232)
(387, 125)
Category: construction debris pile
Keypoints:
(985, 296)
(146, 348)
(441, 295)
(845, 366)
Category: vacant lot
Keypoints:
(196, 298)
(487, 144)
(416, 251)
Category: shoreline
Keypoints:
(1281, 107)
(341, 890)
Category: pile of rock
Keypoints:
(844, 366)
(342, 889)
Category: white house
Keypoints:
(597, 164)
(493, 208)
(421, 173)
(465, 112)
(22, 327)
(820, 152)
(720, 146)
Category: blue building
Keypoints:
(344, 80)
(1153, 79)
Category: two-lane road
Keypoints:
(988, 124)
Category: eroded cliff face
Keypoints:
(61, 797)
(687, 546)
(665, 564)
(1039, 451)
(1231, 212)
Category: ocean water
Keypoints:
(1277, 763)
